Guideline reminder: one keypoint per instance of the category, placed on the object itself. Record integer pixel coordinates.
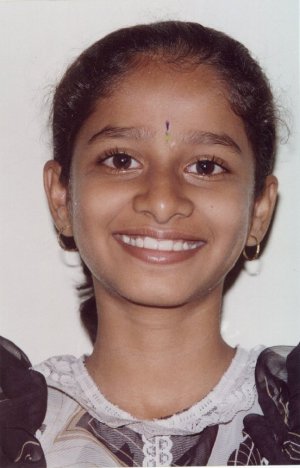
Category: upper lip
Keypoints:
(157, 234)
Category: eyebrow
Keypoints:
(195, 137)
(198, 137)
(136, 133)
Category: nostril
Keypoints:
(162, 204)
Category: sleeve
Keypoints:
(274, 437)
(23, 403)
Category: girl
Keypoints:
(164, 140)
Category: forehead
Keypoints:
(190, 99)
(157, 82)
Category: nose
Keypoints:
(162, 197)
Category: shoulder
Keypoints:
(57, 370)
(71, 430)
(277, 376)
(64, 402)
(70, 386)
(65, 381)
(272, 436)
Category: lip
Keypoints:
(158, 257)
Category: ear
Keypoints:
(263, 211)
(57, 195)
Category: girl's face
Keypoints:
(161, 195)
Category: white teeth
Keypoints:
(150, 243)
(178, 246)
(166, 245)
(126, 239)
(139, 242)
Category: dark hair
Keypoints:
(99, 68)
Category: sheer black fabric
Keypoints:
(23, 403)
(274, 438)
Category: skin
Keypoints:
(158, 316)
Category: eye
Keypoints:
(120, 161)
(206, 167)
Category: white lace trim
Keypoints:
(235, 392)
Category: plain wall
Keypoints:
(39, 305)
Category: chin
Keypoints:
(157, 299)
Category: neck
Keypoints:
(143, 355)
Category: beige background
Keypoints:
(37, 40)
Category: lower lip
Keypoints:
(159, 257)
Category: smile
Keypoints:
(159, 248)
(165, 245)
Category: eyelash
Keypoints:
(110, 154)
(213, 161)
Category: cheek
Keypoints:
(231, 215)
(94, 206)
(228, 215)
